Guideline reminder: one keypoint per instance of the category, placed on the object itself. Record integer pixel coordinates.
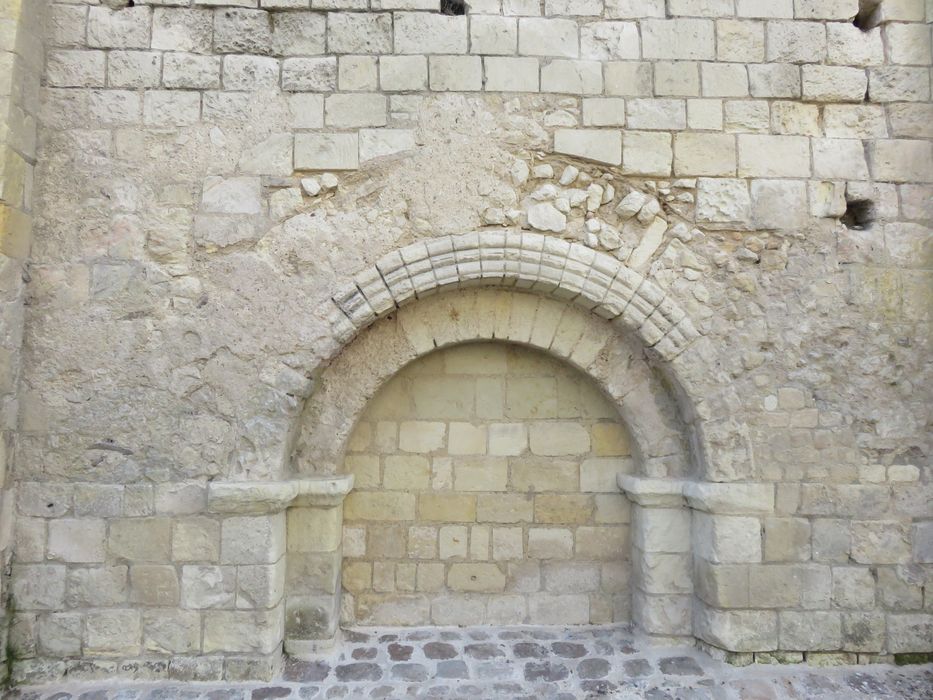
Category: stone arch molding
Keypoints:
(630, 304)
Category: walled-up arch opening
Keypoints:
(485, 493)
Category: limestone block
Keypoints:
(765, 8)
(726, 539)
(175, 29)
(826, 9)
(244, 31)
(863, 631)
(911, 120)
(704, 154)
(77, 540)
(780, 204)
(188, 70)
(152, 584)
(423, 33)
(453, 541)
(406, 472)
(250, 72)
(678, 39)
(628, 78)
(774, 80)
(112, 633)
(309, 74)
(724, 79)
(786, 539)
(737, 630)
(511, 74)
(314, 529)
(260, 586)
(456, 73)
(171, 631)
(475, 578)
(722, 585)
(607, 542)
(898, 84)
(505, 508)
(362, 505)
(562, 508)
(134, 69)
(421, 436)
(141, 539)
(319, 571)
(647, 153)
(604, 111)
(773, 156)
(259, 631)
(481, 474)
(908, 43)
(902, 160)
(663, 530)
(96, 587)
(297, 33)
(359, 33)
(326, 151)
(811, 630)
(550, 543)
(853, 588)
(558, 439)
(125, 28)
(195, 539)
(548, 37)
(657, 114)
(831, 540)
(839, 159)
(572, 77)
(208, 586)
(507, 439)
(795, 118)
(403, 73)
(448, 507)
(911, 632)
(796, 42)
(677, 78)
(656, 573)
(922, 540)
(850, 46)
(358, 73)
(664, 615)
(544, 475)
(252, 539)
(598, 475)
(789, 585)
(834, 83)
(457, 610)
(505, 610)
(740, 40)
(570, 609)
(880, 542)
(609, 41)
(507, 543)
(493, 35)
(180, 498)
(60, 634)
(746, 116)
(75, 68)
(466, 439)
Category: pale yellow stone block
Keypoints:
(599, 474)
(507, 543)
(550, 543)
(386, 439)
(444, 398)
(531, 398)
(505, 508)
(406, 472)
(357, 576)
(479, 542)
(466, 439)
(361, 438)
(365, 470)
(442, 473)
(612, 508)
(354, 541)
(421, 436)
(481, 474)
(508, 439)
(602, 542)
(392, 402)
(476, 358)
(557, 439)
(422, 542)
(563, 509)
(366, 505)
(311, 529)
(195, 539)
(447, 507)
(544, 475)
(383, 577)
(405, 573)
(490, 398)
(469, 577)
(430, 576)
(610, 440)
(452, 541)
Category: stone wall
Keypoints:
(718, 210)
(485, 492)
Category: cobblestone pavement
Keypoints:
(522, 662)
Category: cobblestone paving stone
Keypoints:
(531, 663)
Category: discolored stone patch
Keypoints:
(400, 652)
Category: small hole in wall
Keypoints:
(869, 15)
(860, 214)
(453, 7)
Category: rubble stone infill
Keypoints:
(523, 662)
